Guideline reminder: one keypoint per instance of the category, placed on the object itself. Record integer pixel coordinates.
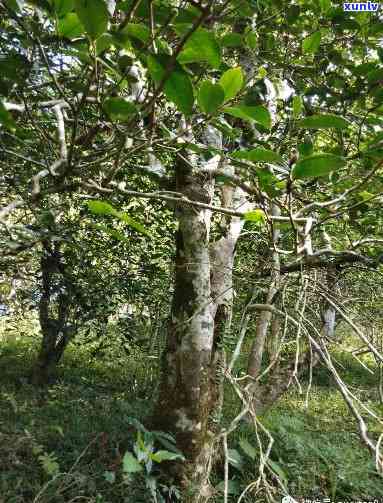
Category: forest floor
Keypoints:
(66, 443)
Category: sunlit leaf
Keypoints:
(119, 109)
(94, 16)
(297, 106)
(325, 121)
(104, 208)
(258, 114)
(201, 46)
(210, 97)
(317, 165)
(257, 216)
(311, 44)
(160, 456)
(232, 81)
(130, 463)
(178, 87)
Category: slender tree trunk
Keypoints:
(52, 348)
(265, 317)
(55, 330)
(329, 312)
(222, 255)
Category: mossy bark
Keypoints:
(186, 394)
(190, 391)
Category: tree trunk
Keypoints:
(190, 395)
(56, 331)
(222, 255)
(187, 390)
(52, 348)
(265, 317)
(328, 313)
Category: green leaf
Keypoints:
(232, 40)
(130, 464)
(363, 68)
(251, 40)
(248, 448)
(165, 456)
(100, 208)
(268, 182)
(297, 106)
(235, 459)
(103, 43)
(258, 114)
(201, 46)
(258, 155)
(226, 129)
(277, 469)
(132, 223)
(375, 76)
(257, 216)
(325, 121)
(232, 82)
(110, 477)
(210, 97)
(138, 31)
(233, 487)
(317, 165)
(114, 233)
(119, 109)
(6, 118)
(310, 44)
(70, 26)
(15, 5)
(292, 14)
(62, 7)
(178, 87)
(104, 208)
(373, 153)
(325, 5)
(305, 148)
(94, 16)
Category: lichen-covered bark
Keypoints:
(186, 396)
(190, 393)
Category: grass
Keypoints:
(317, 448)
(79, 422)
(56, 445)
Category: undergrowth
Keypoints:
(67, 443)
